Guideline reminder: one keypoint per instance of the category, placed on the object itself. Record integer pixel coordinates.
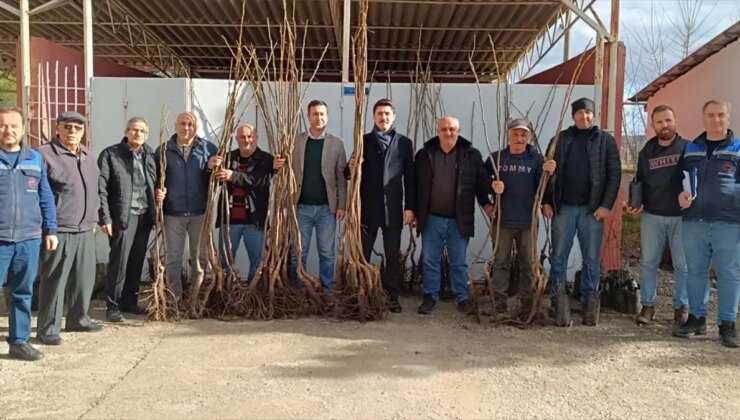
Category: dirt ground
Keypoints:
(408, 366)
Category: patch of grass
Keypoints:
(630, 224)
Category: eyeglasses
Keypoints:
(73, 127)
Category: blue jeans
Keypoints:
(438, 233)
(20, 261)
(704, 241)
(253, 239)
(325, 222)
(654, 230)
(569, 222)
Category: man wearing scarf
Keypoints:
(387, 192)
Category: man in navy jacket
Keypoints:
(28, 213)
(190, 160)
(519, 169)
(711, 223)
(387, 191)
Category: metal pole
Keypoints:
(345, 41)
(87, 12)
(566, 38)
(613, 60)
(25, 64)
(599, 79)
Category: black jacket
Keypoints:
(472, 182)
(656, 169)
(388, 185)
(604, 169)
(116, 165)
(521, 175)
(256, 179)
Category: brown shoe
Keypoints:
(645, 317)
(681, 315)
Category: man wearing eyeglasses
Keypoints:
(73, 177)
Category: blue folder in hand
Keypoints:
(690, 182)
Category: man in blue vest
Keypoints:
(711, 222)
(28, 213)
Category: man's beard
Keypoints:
(666, 135)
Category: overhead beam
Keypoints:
(581, 13)
(53, 4)
(543, 43)
(8, 8)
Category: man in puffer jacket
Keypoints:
(580, 197)
(711, 223)
(127, 214)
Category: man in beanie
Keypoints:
(388, 193)
(519, 168)
(579, 198)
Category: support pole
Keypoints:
(346, 12)
(566, 37)
(598, 79)
(25, 66)
(613, 60)
(88, 46)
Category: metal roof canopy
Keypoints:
(184, 38)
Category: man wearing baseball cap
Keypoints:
(517, 170)
(581, 196)
(73, 177)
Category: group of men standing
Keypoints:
(57, 195)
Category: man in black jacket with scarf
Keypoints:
(450, 176)
(248, 172)
(388, 193)
(581, 196)
(127, 214)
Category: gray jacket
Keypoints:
(333, 161)
(74, 183)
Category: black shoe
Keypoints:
(593, 309)
(50, 340)
(394, 306)
(467, 306)
(727, 334)
(24, 352)
(91, 327)
(692, 326)
(134, 309)
(500, 300)
(428, 304)
(114, 315)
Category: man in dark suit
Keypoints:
(387, 192)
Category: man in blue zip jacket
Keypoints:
(711, 223)
(28, 214)
(190, 160)
(519, 168)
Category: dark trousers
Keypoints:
(127, 254)
(392, 251)
(507, 237)
(72, 262)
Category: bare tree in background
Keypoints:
(667, 37)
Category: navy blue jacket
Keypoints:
(388, 185)
(718, 187)
(186, 181)
(604, 168)
(27, 208)
(520, 174)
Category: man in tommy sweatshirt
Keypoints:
(520, 168)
